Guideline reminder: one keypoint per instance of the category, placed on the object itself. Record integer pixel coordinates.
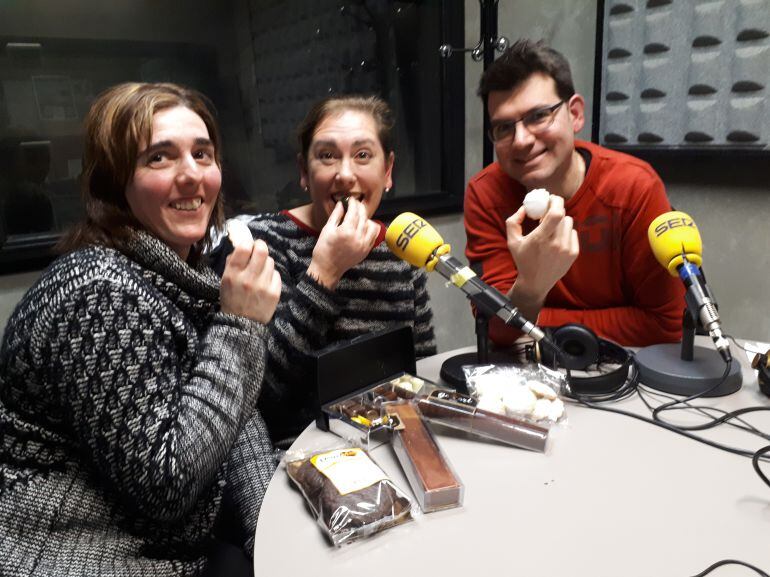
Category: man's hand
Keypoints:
(345, 240)
(543, 256)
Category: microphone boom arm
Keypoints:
(491, 303)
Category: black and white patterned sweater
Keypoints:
(127, 409)
(381, 292)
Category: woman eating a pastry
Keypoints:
(339, 278)
(129, 375)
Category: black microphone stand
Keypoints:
(452, 368)
(482, 338)
(686, 369)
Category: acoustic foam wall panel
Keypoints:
(681, 74)
(299, 46)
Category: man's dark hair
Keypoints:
(521, 61)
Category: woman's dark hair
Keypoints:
(521, 61)
(118, 123)
(374, 106)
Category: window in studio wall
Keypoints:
(262, 63)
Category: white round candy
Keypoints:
(536, 203)
(492, 404)
(406, 385)
(542, 409)
(417, 384)
(557, 410)
(541, 390)
(239, 233)
(490, 385)
(519, 401)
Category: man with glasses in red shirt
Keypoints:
(588, 259)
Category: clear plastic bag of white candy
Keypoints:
(530, 392)
(349, 494)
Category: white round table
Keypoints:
(612, 496)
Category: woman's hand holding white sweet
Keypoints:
(250, 286)
(345, 240)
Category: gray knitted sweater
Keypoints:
(127, 411)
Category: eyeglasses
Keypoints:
(535, 122)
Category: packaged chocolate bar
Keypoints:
(351, 497)
(459, 411)
(433, 482)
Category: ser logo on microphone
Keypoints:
(409, 232)
(671, 223)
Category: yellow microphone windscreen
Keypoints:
(674, 236)
(412, 239)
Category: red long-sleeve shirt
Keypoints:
(616, 287)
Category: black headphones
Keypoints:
(582, 350)
(761, 363)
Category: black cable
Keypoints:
(727, 416)
(731, 562)
(667, 406)
(759, 455)
(737, 344)
(631, 386)
(674, 429)
(588, 401)
(762, 454)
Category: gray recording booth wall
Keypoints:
(685, 74)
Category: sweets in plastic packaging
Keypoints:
(360, 418)
(350, 496)
(459, 411)
(433, 482)
(462, 412)
(525, 392)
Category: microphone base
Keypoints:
(662, 368)
(452, 368)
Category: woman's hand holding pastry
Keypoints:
(250, 286)
(345, 240)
